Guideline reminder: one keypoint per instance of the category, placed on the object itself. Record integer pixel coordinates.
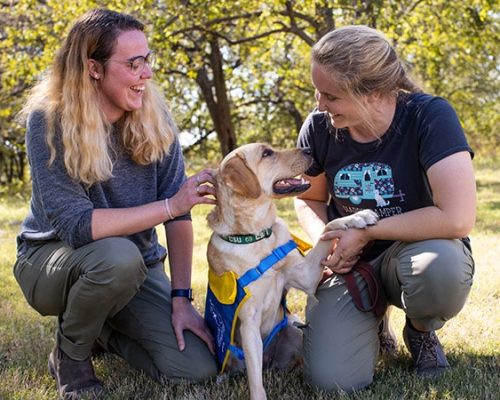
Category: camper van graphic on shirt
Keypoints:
(365, 181)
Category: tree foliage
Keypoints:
(238, 71)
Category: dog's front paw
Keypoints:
(359, 220)
(365, 218)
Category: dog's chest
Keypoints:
(239, 258)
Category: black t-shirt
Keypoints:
(386, 175)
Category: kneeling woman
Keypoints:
(379, 143)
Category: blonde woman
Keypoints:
(106, 169)
(379, 143)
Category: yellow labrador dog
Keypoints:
(253, 259)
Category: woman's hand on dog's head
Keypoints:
(198, 189)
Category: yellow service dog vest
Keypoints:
(227, 293)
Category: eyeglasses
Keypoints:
(137, 64)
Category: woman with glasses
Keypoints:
(107, 168)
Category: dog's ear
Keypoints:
(239, 177)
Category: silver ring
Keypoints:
(198, 190)
(198, 180)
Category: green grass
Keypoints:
(471, 339)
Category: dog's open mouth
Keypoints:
(291, 186)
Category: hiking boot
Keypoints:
(74, 378)
(388, 341)
(426, 351)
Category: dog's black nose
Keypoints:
(306, 151)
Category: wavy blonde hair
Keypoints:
(363, 62)
(68, 96)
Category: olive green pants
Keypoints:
(103, 291)
(428, 280)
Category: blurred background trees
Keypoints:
(238, 71)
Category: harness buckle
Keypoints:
(280, 253)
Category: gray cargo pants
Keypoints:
(429, 280)
(104, 291)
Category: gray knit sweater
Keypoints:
(61, 208)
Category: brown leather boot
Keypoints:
(74, 378)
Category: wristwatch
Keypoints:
(188, 293)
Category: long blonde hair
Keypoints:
(363, 62)
(69, 97)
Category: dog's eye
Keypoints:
(267, 153)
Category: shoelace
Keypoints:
(426, 343)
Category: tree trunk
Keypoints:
(215, 94)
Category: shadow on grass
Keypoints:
(23, 374)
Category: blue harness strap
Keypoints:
(279, 326)
(276, 255)
(221, 317)
(255, 273)
(238, 352)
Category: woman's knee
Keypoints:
(348, 365)
(437, 278)
(116, 263)
(206, 369)
(337, 380)
(179, 365)
(340, 343)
